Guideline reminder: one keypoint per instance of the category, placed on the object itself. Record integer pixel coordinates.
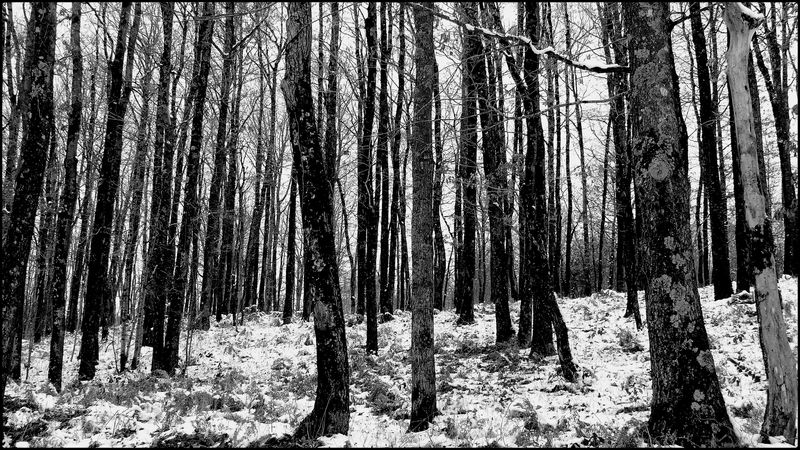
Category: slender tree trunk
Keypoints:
(382, 154)
(136, 188)
(780, 416)
(79, 262)
(212, 285)
(717, 203)
(38, 88)
(331, 411)
(288, 303)
(395, 206)
(439, 274)
(567, 288)
(687, 406)
(600, 249)
(67, 209)
(48, 208)
(465, 272)
(778, 95)
(227, 266)
(250, 292)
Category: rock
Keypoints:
(160, 373)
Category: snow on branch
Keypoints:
(588, 65)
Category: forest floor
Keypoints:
(245, 384)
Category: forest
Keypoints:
(380, 224)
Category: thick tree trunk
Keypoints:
(97, 283)
(167, 359)
(331, 411)
(158, 276)
(744, 273)
(780, 415)
(687, 406)
(423, 370)
(538, 287)
(38, 73)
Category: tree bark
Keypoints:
(780, 415)
(382, 154)
(288, 303)
(38, 76)
(69, 197)
(687, 406)
(331, 411)
(423, 370)
(158, 277)
(396, 166)
(212, 285)
(136, 187)
(708, 155)
(465, 271)
(167, 359)
(97, 283)
(779, 98)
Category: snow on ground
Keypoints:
(245, 384)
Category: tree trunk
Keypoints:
(779, 98)
(708, 154)
(97, 283)
(69, 197)
(136, 187)
(382, 154)
(423, 373)
(48, 209)
(687, 406)
(396, 166)
(331, 411)
(167, 359)
(780, 416)
(288, 303)
(465, 271)
(744, 274)
(227, 267)
(38, 73)
(439, 275)
(250, 293)
(212, 285)
(534, 194)
(158, 277)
